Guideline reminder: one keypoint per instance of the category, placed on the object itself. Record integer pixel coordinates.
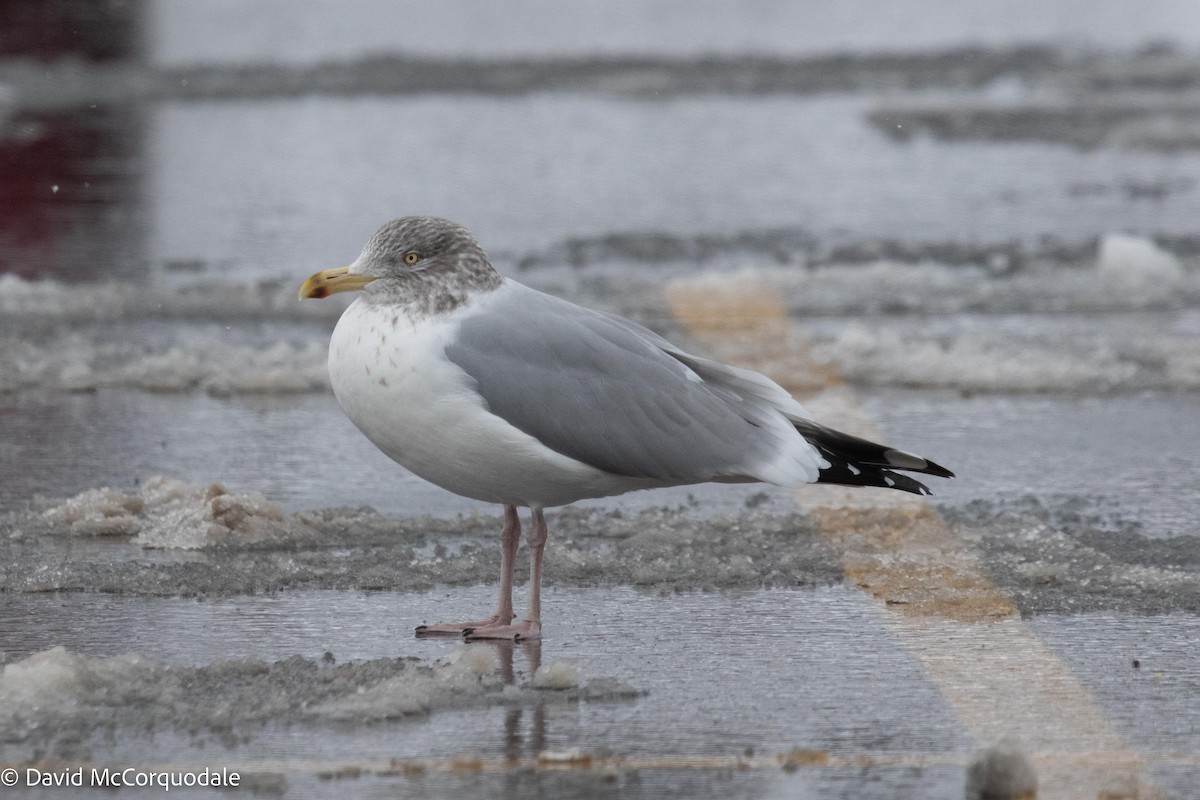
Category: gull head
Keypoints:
(402, 251)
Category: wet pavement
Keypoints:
(968, 228)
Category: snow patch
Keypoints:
(76, 363)
(891, 287)
(110, 301)
(992, 362)
(74, 350)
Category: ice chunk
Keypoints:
(190, 516)
(468, 664)
(56, 681)
(1137, 260)
(390, 699)
(54, 675)
(469, 671)
(169, 513)
(575, 757)
(57, 690)
(98, 512)
(559, 675)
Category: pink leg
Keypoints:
(531, 626)
(509, 539)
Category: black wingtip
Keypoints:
(845, 474)
(883, 456)
(936, 469)
(859, 462)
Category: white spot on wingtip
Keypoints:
(853, 469)
(888, 481)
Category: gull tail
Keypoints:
(859, 462)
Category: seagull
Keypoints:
(504, 394)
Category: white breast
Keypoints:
(391, 376)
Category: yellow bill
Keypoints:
(332, 281)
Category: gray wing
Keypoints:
(613, 395)
(744, 382)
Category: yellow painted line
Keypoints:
(997, 675)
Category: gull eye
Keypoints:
(412, 257)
